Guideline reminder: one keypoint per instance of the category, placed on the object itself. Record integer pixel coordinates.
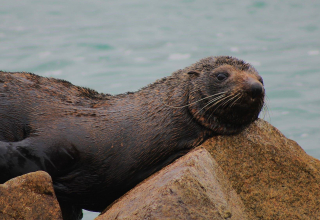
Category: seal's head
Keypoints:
(226, 93)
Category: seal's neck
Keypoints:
(166, 104)
(160, 114)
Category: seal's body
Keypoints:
(96, 146)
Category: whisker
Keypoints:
(219, 101)
(217, 106)
(235, 101)
(265, 111)
(228, 101)
(210, 102)
(213, 104)
(193, 102)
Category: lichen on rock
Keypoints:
(274, 176)
(193, 187)
(30, 196)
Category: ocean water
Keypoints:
(119, 46)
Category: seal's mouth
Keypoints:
(236, 118)
(230, 113)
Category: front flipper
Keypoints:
(33, 154)
(16, 159)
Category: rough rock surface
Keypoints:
(193, 187)
(275, 178)
(30, 196)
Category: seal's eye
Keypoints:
(222, 76)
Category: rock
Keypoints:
(275, 178)
(257, 174)
(193, 187)
(30, 196)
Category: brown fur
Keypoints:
(98, 146)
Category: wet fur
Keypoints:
(97, 146)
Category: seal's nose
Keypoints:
(256, 89)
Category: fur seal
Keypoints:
(97, 146)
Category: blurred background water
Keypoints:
(119, 46)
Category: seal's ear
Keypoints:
(194, 73)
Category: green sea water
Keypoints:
(119, 46)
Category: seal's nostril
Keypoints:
(256, 90)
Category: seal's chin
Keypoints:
(220, 126)
(229, 120)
